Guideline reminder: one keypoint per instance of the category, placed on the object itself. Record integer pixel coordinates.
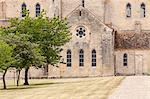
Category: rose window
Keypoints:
(80, 32)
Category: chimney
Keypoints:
(137, 27)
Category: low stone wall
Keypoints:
(33, 73)
(138, 62)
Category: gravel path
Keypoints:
(137, 87)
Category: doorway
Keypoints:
(138, 64)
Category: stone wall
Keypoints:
(94, 6)
(118, 14)
(2, 10)
(33, 73)
(95, 32)
(13, 7)
(106, 10)
(132, 38)
(138, 62)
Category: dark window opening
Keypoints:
(82, 3)
(38, 9)
(125, 60)
(128, 10)
(94, 58)
(143, 10)
(80, 13)
(81, 58)
(69, 60)
(23, 10)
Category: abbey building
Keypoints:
(109, 37)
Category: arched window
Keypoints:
(128, 10)
(23, 9)
(82, 3)
(80, 13)
(81, 58)
(94, 58)
(143, 10)
(69, 58)
(38, 9)
(125, 60)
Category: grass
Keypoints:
(77, 88)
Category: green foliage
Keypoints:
(37, 40)
(6, 56)
(26, 53)
(51, 34)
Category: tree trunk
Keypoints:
(26, 76)
(18, 77)
(4, 79)
(46, 70)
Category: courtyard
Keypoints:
(69, 88)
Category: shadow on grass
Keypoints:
(52, 83)
(42, 84)
(19, 88)
(31, 86)
(38, 85)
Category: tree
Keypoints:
(38, 40)
(51, 34)
(6, 58)
(26, 52)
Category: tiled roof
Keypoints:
(132, 40)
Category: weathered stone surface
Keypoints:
(133, 37)
(132, 40)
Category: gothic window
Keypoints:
(80, 31)
(94, 58)
(69, 58)
(143, 12)
(23, 9)
(80, 13)
(125, 60)
(128, 10)
(81, 58)
(38, 9)
(82, 3)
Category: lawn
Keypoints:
(74, 88)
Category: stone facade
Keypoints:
(99, 25)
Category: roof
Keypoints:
(132, 40)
